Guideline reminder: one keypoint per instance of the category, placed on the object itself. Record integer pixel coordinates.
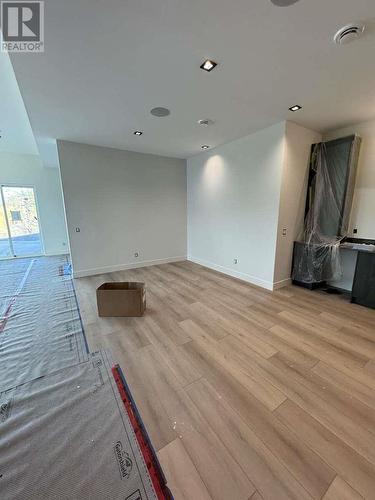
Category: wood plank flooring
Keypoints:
(247, 394)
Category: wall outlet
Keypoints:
(355, 230)
(136, 254)
(235, 261)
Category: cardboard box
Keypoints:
(121, 299)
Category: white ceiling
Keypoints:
(108, 62)
(15, 130)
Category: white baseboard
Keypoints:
(282, 283)
(122, 267)
(235, 274)
(56, 254)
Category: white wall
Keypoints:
(363, 211)
(27, 170)
(298, 142)
(233, 205)
(123, 202)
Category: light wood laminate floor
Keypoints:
(247, 393)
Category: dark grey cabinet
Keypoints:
(364, 280)
(306, 272)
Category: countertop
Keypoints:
(358, 247)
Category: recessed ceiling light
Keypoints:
(205, 146)
(206, 122)
(138, 132)
(208, 65)
(296, 107)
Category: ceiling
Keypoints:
(15, 130)
(108, 62)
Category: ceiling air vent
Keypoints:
(349, 33)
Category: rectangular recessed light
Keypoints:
(296, 107)
(138, 132)
(208, 65)
(205, 146)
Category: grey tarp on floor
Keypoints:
(67, 436)
(41, 331)
(12, 272)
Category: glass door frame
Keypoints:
(3, 203)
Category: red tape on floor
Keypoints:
(150, 459)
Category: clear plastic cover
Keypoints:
(330, 197)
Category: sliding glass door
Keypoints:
(19, 227)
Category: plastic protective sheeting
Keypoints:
(316, 254)
(67, 436)
(40, 325)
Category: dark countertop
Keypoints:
(358, 247)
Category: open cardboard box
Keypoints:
(121, 299)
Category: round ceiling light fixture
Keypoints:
(283, 3)
(160, 112)
(349, 33)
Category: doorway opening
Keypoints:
(20, 234)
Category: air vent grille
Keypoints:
(349, 33)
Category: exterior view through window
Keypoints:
(19, 226)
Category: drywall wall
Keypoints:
(298, 142)
(122, 202)
(362, 215)
(27, 170)
(233, 205)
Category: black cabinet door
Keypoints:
(364, 280)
